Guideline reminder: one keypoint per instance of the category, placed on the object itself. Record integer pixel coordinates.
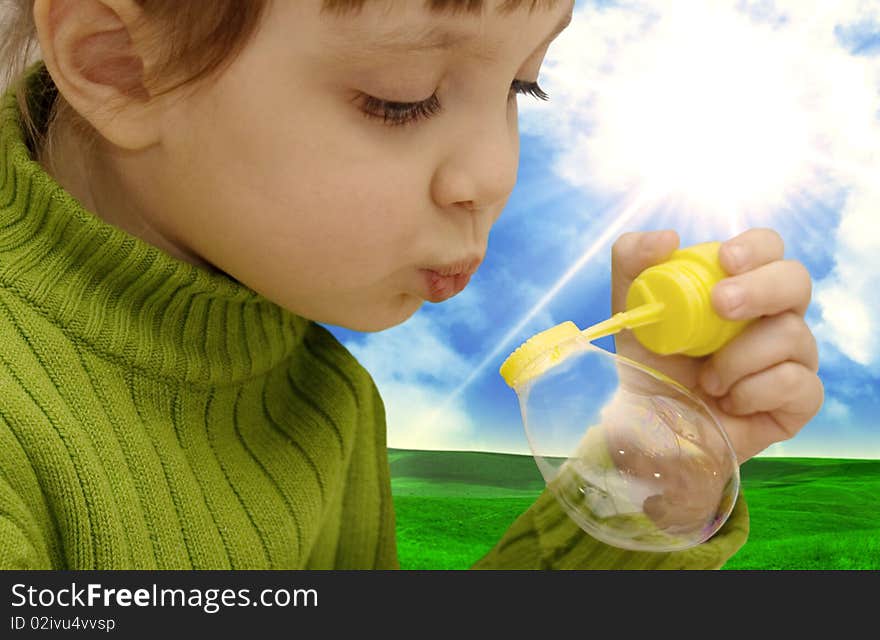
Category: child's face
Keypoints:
(275, 175)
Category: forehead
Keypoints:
(391, 28)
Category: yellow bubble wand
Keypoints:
(668, 308)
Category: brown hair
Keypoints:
(192, 42)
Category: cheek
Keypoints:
(304, 198)
(312, 215)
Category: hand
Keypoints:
(767, 383)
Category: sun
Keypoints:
(714, 119)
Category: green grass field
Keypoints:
(806, 513)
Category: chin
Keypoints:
(399, 309)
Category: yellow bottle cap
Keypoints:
(548, 342)
(689, 323)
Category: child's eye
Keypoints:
(402, 113)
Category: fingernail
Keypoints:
(711, 382)
(732, 296)
(736, 256)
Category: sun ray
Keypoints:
(634, 207)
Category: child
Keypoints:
(185, 194)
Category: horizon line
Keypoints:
(529, 455)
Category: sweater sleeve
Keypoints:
(21, 542)
(545, 537)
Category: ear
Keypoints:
(87, 48)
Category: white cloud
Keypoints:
(414, 349)
(779, 105)
(412, 423)
(846, 318)
(415, 368)
(835, 409)
(420, 375)
(848, 295)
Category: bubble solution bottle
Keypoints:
(635, 458)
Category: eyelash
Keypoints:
(397, 114)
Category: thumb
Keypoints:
(631, 254)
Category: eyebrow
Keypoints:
(435, 38)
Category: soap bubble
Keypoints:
(635, 458)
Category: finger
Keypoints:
(764, 291)
(751, 249)
(761, 345)
(789, 392)
(631, 254)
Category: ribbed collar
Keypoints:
(128, 299)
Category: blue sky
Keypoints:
(720, 116)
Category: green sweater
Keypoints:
(158, 415)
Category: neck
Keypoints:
(126, 299)
(110, 182)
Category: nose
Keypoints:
(479, 168)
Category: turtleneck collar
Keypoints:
(126, 298)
